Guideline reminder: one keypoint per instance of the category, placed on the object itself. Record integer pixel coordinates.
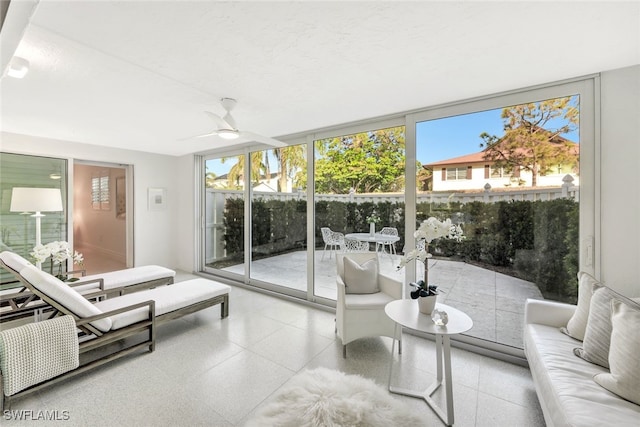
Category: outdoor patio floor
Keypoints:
(493, 300)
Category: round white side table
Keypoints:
(405, 313)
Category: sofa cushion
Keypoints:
(64, 295)
(597, 337)
(624, 360)
(361, 278)
(568, 394)
(578, 323)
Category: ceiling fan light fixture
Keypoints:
(18, 67)
(228, 134)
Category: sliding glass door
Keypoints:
(359, 186)
(224, 213)
(18, 229)
(510, 177)
(279, 218)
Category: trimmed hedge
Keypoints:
(535, 241)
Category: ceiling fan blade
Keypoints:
(263, 139)
(199, 136)
(220, 122)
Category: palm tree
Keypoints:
(236, 173)
(291, 160)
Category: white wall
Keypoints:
(155, 233)
(620, 180)
(187, 215)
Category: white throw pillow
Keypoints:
(578, 323)
(361, 279)
(624, 379)
(597, 337)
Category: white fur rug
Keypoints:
(324, 397)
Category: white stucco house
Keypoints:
(474, 171)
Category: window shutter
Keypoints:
(469, 172)
(444, 174)
(486, 171)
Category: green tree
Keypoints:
(292, 165)
(236, 173)
(367, 162)
(532, 140)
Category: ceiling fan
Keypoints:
(227, 128)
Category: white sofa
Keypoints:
(564, 382)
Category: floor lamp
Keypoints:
(36, 200)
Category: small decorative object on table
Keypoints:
(59, 253)
(372, 219)
(426, 296)
(440, 317)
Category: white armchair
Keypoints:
(360, 315)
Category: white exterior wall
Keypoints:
(478, 181)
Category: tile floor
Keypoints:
(495, 301)
(216, 372)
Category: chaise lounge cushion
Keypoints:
(59, 291)
(14, 261)
(167, 299)
(127, 277)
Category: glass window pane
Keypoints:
(359, 181)
(18, 229)
(224, 214)
(279, 217)
(520, 221)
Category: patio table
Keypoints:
(375, 238)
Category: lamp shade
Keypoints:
(36, 200)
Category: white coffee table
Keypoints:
(405, 313)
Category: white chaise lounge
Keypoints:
(121, 317)
(21, 301)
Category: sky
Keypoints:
(456, 136)
(440, 139)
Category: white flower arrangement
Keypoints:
(373, 218)
(59, 253)
(431, 229)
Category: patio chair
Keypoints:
(16, 303)
(362, 295)
(332, 239)
(388, 231)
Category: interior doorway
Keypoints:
(102, 226)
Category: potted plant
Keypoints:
(430, 229)
(426, 295)
(372, 219)
(59, 252)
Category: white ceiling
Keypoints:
(138, 75)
